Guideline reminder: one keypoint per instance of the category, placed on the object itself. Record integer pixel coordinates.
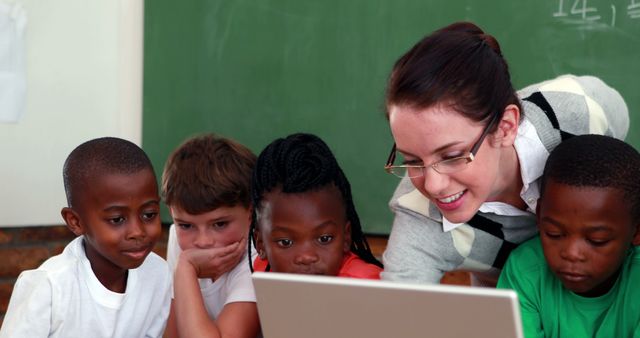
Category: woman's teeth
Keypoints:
(451, 198)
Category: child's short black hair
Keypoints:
(597, 161)
(207, 172)
(299, 163)
(101, 156)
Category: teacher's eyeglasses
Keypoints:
(447, 166)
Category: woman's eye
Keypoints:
(184, 226)
(450, 156)
(324, 239)
(411, 162)
(285, 243)
(118, 220)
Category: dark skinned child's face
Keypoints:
(118, 216)
(304, 233)
(586, 233)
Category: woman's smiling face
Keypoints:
(427, 136)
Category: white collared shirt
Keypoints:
(532, 156)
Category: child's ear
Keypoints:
(73, 221)
(507, 130)
(257, 238)
(636, 236)
(347, 237)
(250, 213)
(538, 211)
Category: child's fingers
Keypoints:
(232, 249)
(234, 252)
(213, 262)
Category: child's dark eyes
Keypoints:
(118, 220)
(285, 242)
(149, 216)
(184, 226)
(598, 242)
(552, 235)
(324, 239)
(220, 225)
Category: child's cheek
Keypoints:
(184, 242)
(230, 238)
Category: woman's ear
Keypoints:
(347, 238)
(505, 134)
(72, 220)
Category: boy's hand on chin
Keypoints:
(214, 262)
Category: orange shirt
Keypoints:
(352, 266)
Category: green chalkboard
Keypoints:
(255, 70)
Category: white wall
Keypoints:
(84, 80)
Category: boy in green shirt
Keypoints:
(580, 276)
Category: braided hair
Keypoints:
(299, 163)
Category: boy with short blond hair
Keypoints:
(206, 185)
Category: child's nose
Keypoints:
(306, 256)
(136, 229)
(203, 241)
(572, 252)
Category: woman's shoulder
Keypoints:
(576, 105)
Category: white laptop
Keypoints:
(302, 306)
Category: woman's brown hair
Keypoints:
(458, 66)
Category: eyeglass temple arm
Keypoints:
(475, 148)
(392, 156)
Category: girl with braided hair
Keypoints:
(304, 220)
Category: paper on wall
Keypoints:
(13, 77)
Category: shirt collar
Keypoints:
(448, 226)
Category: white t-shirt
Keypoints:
(233, 286)
(63, 298)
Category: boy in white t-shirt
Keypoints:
(206, 185)
(106, 282)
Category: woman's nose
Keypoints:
(434, 183)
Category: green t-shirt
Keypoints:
(549, 310)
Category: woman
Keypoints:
(473, 151)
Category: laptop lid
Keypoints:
(304, 306)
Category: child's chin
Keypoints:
(310, 272)
(133, 265)
(579, 289)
